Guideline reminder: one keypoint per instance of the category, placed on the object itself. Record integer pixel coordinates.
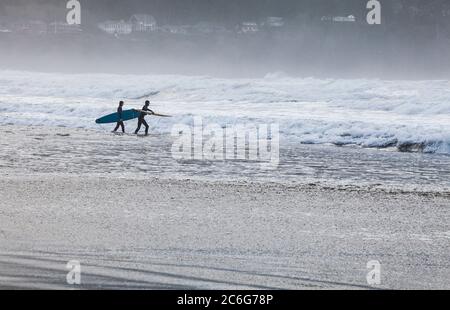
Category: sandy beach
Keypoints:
(258, 145)
(179, 234)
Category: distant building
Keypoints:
(4, 28)
(5, 25)
(249, 27)
(30, 27)
(116, 27)
(208, 28)
(142, 23)
(274, 22)
(339, 19)
(173, 29)
(64, 28)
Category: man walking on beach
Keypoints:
(120, 122)
(141, 120)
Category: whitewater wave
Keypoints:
(407, 115)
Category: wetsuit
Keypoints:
(141, 120)
(120, 122)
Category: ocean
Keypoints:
(362, 174)
(338, 132)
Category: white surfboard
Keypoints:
(152, 114)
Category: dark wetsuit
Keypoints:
(120, 122)
(141, 120)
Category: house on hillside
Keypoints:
(339, 19)
(35, 27)
(5, 25)
(116, 27)
(174, 29)
(248, 27)
(64, 28)
(273, 22)
(4, 28)
(142, 23)
(208, 28)
(345, 19)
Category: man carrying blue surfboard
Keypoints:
(120, 122)
(141, 121)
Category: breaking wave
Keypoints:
(411, 116)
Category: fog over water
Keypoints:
(199, 37)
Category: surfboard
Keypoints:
(114, 117)
(152, 114)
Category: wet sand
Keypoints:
(175, 234)
(135, 218)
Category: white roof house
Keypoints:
(30, 27)
(4, 28)
(116, 27)
(273, 21)
(249, 27)
(349, 18)
(64, 28)
(5, 25)
(208, 28)
(143, 23)
(339, 19)
(174, 29)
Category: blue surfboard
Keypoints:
(114, 118)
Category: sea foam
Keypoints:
(408, 115)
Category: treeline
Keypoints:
(232, 11)
(413, 40)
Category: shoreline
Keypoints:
(106, 201)
(405, 148)
(320, 186)
(28, 150)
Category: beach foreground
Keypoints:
(174, 234)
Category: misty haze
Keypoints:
(230, 38)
